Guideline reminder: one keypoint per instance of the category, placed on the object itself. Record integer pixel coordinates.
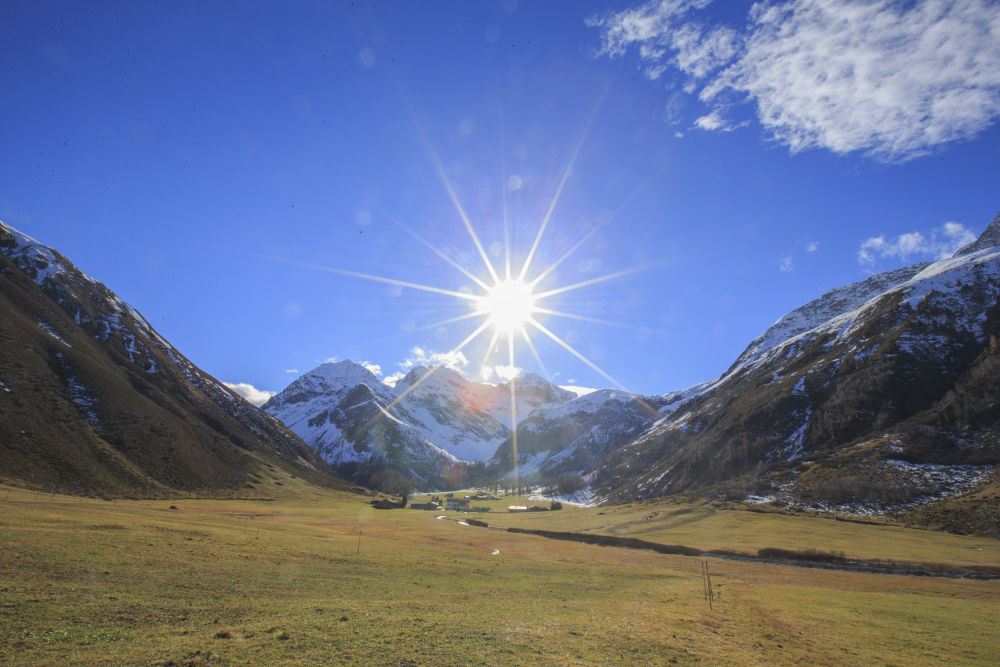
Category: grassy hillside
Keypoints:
(93, 401)
(317, 576)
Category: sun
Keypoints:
(508, 305)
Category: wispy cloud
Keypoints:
(787, 265)
(937, 244)
(256, 396)
(891, 80)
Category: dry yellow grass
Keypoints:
(289, 582)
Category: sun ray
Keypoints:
(593, 281)
(586, 237)
(381, 279)
(638, 399)
(584, 318)
(552, 207)
(489, 351)
(425, 376)
(446, 182)
(562, 182)
(534, 351)
(428, 327)
(569, 348)
(503, 199)
(513, 407)
(468, 274)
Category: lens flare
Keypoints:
(508, 305)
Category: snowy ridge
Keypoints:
(836, 302)
(944, 279)
(113, 321)
(464, 420)
(588, 403)
(38, 261)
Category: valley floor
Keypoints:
(319, 577)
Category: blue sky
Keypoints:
(211, 161)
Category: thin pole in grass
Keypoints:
(707, 583)
(359, 541)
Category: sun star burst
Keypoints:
(508, 305)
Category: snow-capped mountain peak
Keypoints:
(345, 373)
(990, 238)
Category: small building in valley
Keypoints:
(458, 504)
(425, 506)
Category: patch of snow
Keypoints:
(961, 476)
(659, 477)
(585, 497)
(793, 448)
(52, 332)
(79, 394)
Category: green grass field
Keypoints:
(316, 576)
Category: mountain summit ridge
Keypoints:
(436, 411)
(95, 400)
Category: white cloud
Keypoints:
(456, 361)
(813, 246)
(256, 396)
(391, 380)
(292, 371)
(938, 244)
(419, 356)
(375, 369)
(890, 79)
(507, 372)
(711, 121)
(786, 265)
(666, 38)
(579, 391)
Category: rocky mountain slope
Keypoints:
(560, 443)
(427, 427)
(93, 400)
(877, 395)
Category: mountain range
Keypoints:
(428, 427)
(879, 396)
